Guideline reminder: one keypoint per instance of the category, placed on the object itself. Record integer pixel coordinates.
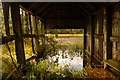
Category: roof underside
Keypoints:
(63, 14)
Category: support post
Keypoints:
(109, 31)
(31, 33)
(92, 34)
(43, 33)
(6, 16)
(37, 43)
(108, 34)
(15, 12)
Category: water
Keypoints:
(75, 61)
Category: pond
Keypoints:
(71, 55)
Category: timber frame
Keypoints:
(97, 20)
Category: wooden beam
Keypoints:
(98, 36)
(8, 39)
(82, 8)
(90, 5)
(78, 10)
(44, 13)
(109, 31)
(115, 39)
(41, 9)
(37, 43)
(31, 34)
(92, 34)
(32, 5)
(30, 12)
(43, 33)
(6, 16)
(19, 47)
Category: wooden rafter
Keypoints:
(82, 8)
(42, 8)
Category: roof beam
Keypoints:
(78, 10)
(42, 8)
(46, 12)
(82, 8)
(31, 6)
(30, 12)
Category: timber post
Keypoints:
(108, 34)
(92, 34)
(16, 20)
(6, 17)
(43, 33)
(37, 43)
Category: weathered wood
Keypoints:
(8, 39)
(108, 34)
(101, 33)
(43, 33)
(109, 31)
(113, 63)
(65, 23)
(81, 7)
(22, 21)
(98, 36)
(16, 20)
(6, 17)
(98, 60)
(29, 12)
(31, 34)
(43, 8)
(92, 34)
(115, 39)
(84, 40)
(26, 23)
(13, 37)
(37, 43)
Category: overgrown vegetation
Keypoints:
(43, 69)
(46, 70)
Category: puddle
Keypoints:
(74, 62)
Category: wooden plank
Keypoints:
(8, 39)
(109, 30)
(43, 33)
(98, 36)
(113, 63)
(37, 43)
(43, 8)
(26, 23)
(101, 35)
(19, 47)
(101, 62)
(6, 17)
(31, 34)
(83, 9)
(84, 39)
(30, 12)
(115, 39)
(92, 34)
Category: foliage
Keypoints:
(46, 70)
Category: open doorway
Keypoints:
(70, 47)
